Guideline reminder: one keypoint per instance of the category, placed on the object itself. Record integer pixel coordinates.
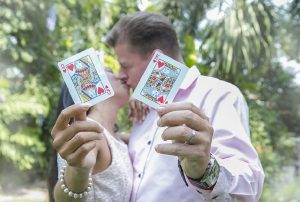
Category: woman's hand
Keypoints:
(137, 110)
(76, 143)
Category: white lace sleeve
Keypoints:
(60, 163)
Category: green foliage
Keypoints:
(283, 188)
(240, 42)
(266, 126)
(261, 141)
(190, 50)
(19, 124)
(123, 122)
(288, 29)
(29, 80)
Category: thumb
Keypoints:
(82, 115)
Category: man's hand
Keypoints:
(191, 136)
(76, 143)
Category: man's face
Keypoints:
(132, 64)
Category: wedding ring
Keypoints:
(191, 137)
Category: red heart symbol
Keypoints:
(70, 67)
(64, 70)
(107, 89)
(100, 90)
(161, 99)
(160, 64)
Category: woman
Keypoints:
(90, 146)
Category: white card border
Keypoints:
(149, 69)
(99, 68)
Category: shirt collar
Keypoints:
(192, 74)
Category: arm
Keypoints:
(241, 175)
(77, 180)
(77, 144)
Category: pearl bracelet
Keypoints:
(69, 192)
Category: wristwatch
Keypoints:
(209, 178)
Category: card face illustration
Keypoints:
(85, 78)
(161, 80)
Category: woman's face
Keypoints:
(120, 88)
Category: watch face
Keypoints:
(213, 175)
(210, 178)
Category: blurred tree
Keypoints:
(26, 89)
(34, 36)
(238, 41)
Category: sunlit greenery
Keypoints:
(242, 43)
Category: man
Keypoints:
(203, 135)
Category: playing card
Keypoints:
(160, 81)
(85, 78)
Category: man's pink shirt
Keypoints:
(157, 177)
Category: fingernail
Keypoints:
(156, 148)
(85, 105)
(160, 110)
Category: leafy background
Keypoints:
(253, 44)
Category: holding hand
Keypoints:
(191, 136)
(76, 143)
(137, 110)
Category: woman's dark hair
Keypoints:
(65, 100)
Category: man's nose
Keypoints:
(121, 75)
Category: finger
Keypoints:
(181, 134)
(78, 140)
(139, 109)
(180, 150)
(187, 117)
(145, 110)
(79, 126)
(178, 106)
(78, 156)
(133, 108)
(81, 116)
(130, 111)
(64, 117)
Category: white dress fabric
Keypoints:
(115, 183)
